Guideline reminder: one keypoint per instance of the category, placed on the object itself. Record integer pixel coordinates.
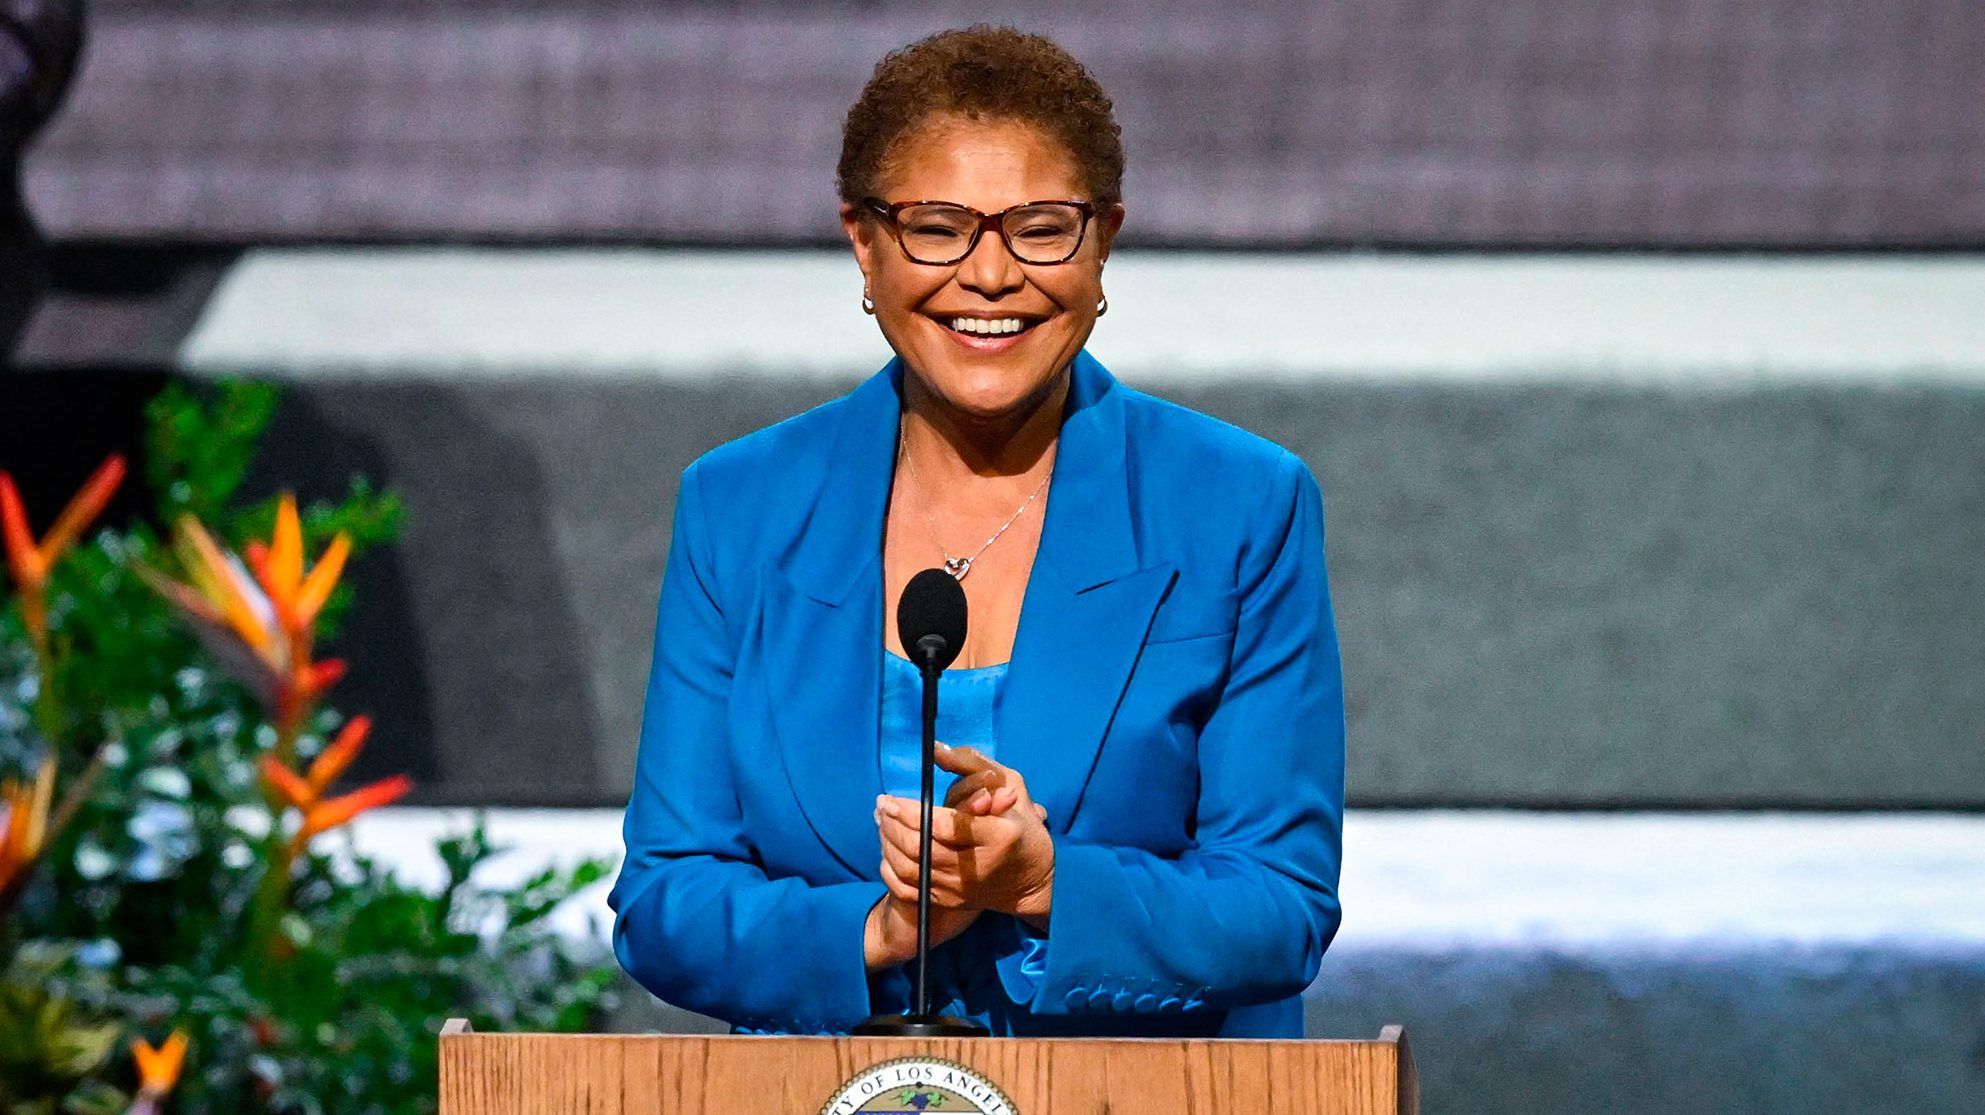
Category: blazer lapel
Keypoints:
(823, 633)
(1088, 608)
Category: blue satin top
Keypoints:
(965, 972)
(967, 701)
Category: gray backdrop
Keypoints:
(1547, 593)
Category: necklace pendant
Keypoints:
(958, 567)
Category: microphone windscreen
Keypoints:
(933, 603)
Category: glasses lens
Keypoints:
(936, 233)
(1045, 233)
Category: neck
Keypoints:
(946, 441)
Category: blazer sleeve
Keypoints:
(1244, 916)
(697, 921)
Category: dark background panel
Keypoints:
(1523, 123)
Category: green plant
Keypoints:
(53, 1047)
(170, 686)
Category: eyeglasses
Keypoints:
(940, 233)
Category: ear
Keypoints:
(861, 236)
(1108, 224)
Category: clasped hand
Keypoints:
(990, 850)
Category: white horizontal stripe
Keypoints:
(1173, 317)
(1490, 878)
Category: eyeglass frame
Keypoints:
(994, 221)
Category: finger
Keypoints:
(969, 785)
(986, 803)
(901, 837)
(943, 857)
(900, 815)
(898, 889)
(953, 830)
(963, 760)
(947, 897)
(981, 771)
(905, 867)
(946, 889)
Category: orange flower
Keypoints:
(286, 783)
(332, 761)
(29, 561)
(260, 626)
(328, 815)
(306, 792)
(24, 830)
(158, 1069)
(279, 566)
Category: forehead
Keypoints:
(986, 164)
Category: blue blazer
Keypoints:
(1174, 700)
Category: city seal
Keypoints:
(919, 1086)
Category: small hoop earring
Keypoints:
(868, 304)
(1103, 307)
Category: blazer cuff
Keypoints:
(1091, 968)
(824, 955)
(1023, 964)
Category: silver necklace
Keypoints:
(959, 566)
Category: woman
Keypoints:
(1145, 836)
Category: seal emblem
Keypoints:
(919, 1086)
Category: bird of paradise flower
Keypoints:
(259, 619)
(260, 625)
(319, 814)
(30, 561)
(158, 1071)
(32, 820)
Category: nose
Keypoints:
(991, 271)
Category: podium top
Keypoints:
(661, 1074)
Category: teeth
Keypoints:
(986, 327)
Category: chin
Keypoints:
(987, 391)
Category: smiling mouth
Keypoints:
(996, 327)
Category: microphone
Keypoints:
(930, 619)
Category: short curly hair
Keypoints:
(982, 72)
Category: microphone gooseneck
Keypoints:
(930, 621)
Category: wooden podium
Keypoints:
(656, 1074)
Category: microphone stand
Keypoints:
(920, 1022)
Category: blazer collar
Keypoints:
(1086, 537)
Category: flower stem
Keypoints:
(266, 910)
(47, 702)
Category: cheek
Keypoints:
(906, 284)
(1076, 288)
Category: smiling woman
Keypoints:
(1146, 719)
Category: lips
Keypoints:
(986, 334)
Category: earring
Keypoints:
(1103, 307)
(868, 304)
